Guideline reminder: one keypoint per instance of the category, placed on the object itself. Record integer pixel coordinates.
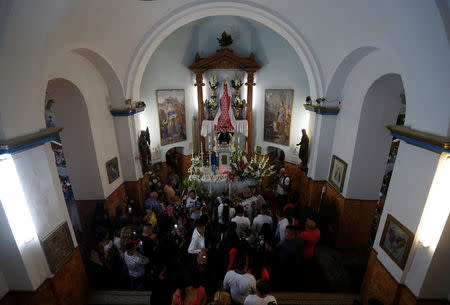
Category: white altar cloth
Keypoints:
(208, 127)
(216, 184)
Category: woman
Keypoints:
(191, 293)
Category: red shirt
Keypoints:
(311, 238)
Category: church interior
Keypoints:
(152, 149)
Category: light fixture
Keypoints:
(14, 203)
(437, 207)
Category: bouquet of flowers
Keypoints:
(238, 162)
(238, 103)
(213, 83)
(196, 164)
(211, 103)
(154, 181)
(257, 168)
(236, 83)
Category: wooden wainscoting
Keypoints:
(68, 287)
(114, 200)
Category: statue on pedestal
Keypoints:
(303, 152)
(144, 150)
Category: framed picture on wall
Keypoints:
(396, 241)
(58, 247)
(277, 115)
(112, 169)
(172, 115)
(338, 169)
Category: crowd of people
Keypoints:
(191, 248)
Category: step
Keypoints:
(119, 297)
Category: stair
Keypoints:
(126, 297)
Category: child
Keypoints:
(194, 205)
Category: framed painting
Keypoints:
(396, 241)
(112, 169)
(338, 169)
(172, 115)
(277, 115)
(58, 247)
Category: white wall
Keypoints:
(365, 73)
(281, 69)
(78, 70)
(412, 175)
(373, 142)
(76, 137)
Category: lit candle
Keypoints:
(130, 210)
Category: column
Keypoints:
(250, 83)
(199, 83)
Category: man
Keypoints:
(248, 203)
(261, 219)
(290, 253)
(283, 186)
(283, 222)
(241, 221)
(261, 297)
(149, 241)
(153, 203)
(239, 282)
(198, 238)
(169, 192)
(136, 263)
(303, 152)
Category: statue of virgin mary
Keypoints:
(225, 120)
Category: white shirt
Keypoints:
(283, 181)
(249, 206)
(242, 222)
(197, 242)
(117, 244)
(240, 285)
(281, 227)
(260, 220)
(254, 299)
(136, 264)
(231, 213)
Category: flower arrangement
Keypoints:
(195, 166)
(153, 181)
(238, 103)
(236, 83)
(249, 166)
(213, 83)
(211, 103)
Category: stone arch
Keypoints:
(380, 108)
(116, 95)
(340, 75)
(78, 143)
(192, 12)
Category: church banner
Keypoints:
(172, 115)
(277, 115)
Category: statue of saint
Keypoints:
(225, 120)
(303, 152)
(144, 150)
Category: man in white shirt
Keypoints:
(261, 297)
(249, 203)
(136, 263)
(198, 238)
(241, 221)
(261, 219)
(238, 281)
(283, 222)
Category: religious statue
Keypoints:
(225, 41)
(225, 120)
(303, 152)
(144, 150)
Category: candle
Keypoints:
(130, 210)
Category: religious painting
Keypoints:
(172, 115)
(112, 169)
(338, 170)
(58, 247)
(277, 115)
(396, 241)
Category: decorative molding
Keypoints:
(224, 59)
(435, 143)
(322, 110)
(29, 141)
(126, 111)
